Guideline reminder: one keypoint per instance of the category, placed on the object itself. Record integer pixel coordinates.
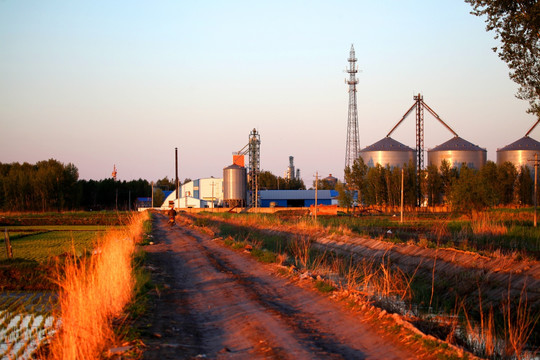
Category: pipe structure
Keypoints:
(531, 129)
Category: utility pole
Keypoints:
(535, 184)
(152, 204)
(9, 249)
(177, 183)
(316, 193)
(212, 196)
(402, 173)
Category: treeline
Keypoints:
(465, 189)
(269, 181)
(53, 186)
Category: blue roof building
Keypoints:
(297, 198)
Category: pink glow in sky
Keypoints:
(100, 83)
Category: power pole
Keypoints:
(535, 184)
(316, 193)
(402, 175)
(212, 196)
(177, 181)
(353, 143)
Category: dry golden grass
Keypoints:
(93, 292)
(482, 224)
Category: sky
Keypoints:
(104, 83)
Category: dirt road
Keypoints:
(221, 304)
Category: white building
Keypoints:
(200, 193)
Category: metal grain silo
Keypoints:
(520, 153)
(234, 186)
(458, 151)
(388, 152)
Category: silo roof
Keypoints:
(525, 143)
(457, 143)
(387, 144)
(233, 166)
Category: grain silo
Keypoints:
(234, 186)
(520, 152)
(388, 152)
(458, 151)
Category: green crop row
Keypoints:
(41, 246)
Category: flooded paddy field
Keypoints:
(26, 322)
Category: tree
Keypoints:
(345, 196)
(467, 194)
(269, 181)
(517, 26)
(159, 197)
(433, 185)
(506, 179)
(488, 178)
(166, 184)
(355, 177)
(448, 177)
(525, 186)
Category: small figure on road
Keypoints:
(172, 216)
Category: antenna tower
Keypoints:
(254, 167)
(353, 142)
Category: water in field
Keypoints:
(25, 323)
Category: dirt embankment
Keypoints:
(495, 275)
(458, 272)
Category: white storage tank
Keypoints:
(520, 153)
(234, 186)
(388, 152)
(458, 151)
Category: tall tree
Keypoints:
(525, 186)
(433, 185)
(517, 25)
(345, 195)
(355, 178)
(467, 194)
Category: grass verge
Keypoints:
(93, 292)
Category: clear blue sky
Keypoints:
(98, 83)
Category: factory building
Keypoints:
(387, 152)
(457, 152)
(297, 198)
(200, 193)
(520, 153)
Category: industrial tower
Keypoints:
(420, 105)
(353, 142)
(254, 168)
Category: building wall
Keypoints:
(198, 193)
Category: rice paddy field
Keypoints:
(28, 292)
(25, 321)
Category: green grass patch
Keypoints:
(147, 230)
(42, 246)
(264, 255)
(324, 286)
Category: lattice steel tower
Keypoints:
(353, 143)
(254, 168)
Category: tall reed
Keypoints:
(93, 291)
